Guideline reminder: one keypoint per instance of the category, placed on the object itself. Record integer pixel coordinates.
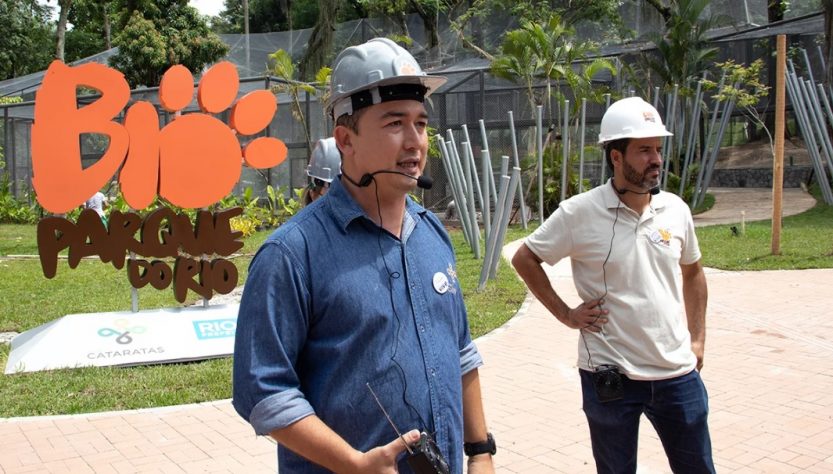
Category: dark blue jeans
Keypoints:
(678, 408)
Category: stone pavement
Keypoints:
(769, 357)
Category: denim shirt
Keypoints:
(333, 303)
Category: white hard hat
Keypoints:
(376, 67)
(631, 118)
(325, 160)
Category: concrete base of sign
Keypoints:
(125, 338)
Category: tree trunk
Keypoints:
(775, 12)
(429, 22)
(106, 21)
(402, 23)
(828, 40)
(246, 34)
(61, 31)
(662, 9)
(320, 41)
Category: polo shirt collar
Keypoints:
(345, 209)
(611, 197)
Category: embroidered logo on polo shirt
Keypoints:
(661, 236)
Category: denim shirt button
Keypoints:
(421, 328)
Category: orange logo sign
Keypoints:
(194, 161)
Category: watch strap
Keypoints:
(481, 447)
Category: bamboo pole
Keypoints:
(539, 148)
(581, 146)
(778, 163)
(486, 148)
(565, 148)
(517, 162)
(474, 227)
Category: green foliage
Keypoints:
(805, 243)
(266, 16)
(601, 11)
(27, 39)
(151, 42)
(553, 160)
(13, 211)
(28, 300)
(88, 33)
(673, 183)
(682, 51)
(802, 7)
(280, 207)
(547, 51)
(742, 84)
(257, 214)
(141, 56)
(285, 69)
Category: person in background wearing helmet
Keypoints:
(324, 163)
(356, 299)
(636, 266)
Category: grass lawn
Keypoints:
(806, 242)
(28, 299)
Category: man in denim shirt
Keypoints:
(359, 290)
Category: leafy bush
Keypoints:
(13, 211)
(553, 158)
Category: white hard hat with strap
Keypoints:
(631, 118)
(374, 72)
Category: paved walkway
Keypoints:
(768, 362)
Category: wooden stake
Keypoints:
(778, 162)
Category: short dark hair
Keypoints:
(351, 121)
(619, 145)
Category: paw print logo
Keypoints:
(194, 161)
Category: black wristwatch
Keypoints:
(481, 447)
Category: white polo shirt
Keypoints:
(646, 335)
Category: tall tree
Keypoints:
(393, 10)
(321, 41)
(661, 9)
(26, 42)
(61, 30)
(546, 52)
(151, 42)
(828, 40)
(429, 14)
(90, 34)
(683, 51)
(266, 16)
(775, 10)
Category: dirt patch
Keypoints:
(759, 155)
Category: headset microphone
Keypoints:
(423, 182)
(653, 191)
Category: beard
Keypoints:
(635, 178)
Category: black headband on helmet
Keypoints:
(364, 98)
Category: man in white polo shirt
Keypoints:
(636, 265)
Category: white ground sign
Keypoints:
(126, 338)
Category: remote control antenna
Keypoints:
(388, 417)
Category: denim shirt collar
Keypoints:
(345, 210)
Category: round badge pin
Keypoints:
(440, 283)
